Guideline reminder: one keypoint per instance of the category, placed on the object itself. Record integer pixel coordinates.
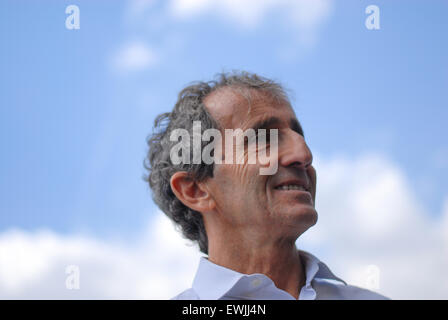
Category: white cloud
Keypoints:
(368, 215)
(134, 56)
(302, 19)
(306, 14)
(32, 265)
(138, 7)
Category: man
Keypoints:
(246, 222)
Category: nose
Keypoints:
(294, 151)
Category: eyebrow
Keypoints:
(265, 124)
(274, 121)
(295, 125)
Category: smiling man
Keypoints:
(246, 223)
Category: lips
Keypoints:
(291, 187)
(294, 184)
(297, 188)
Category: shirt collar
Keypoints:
(213, 281)
(314, 268)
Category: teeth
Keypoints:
(292, 187)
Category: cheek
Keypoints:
(241, 181)
(227, 182)
(249, 178)
(240, 193)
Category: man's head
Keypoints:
(234, 197)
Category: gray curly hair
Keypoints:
(188, 108)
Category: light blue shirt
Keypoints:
(214, 282)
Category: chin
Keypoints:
(303, 219)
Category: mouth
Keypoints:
(293, 185)
(290, 187)
(296, 188)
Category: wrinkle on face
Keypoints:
(241, 194)
(236, 107)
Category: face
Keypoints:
(280, 204)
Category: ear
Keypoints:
(191, 193)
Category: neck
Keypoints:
(277, 258)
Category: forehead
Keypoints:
(239, 108)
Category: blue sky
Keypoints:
(74, 116)
(76, 107)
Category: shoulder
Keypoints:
(340, 291)
(188, 294)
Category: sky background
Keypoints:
(76, 107)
